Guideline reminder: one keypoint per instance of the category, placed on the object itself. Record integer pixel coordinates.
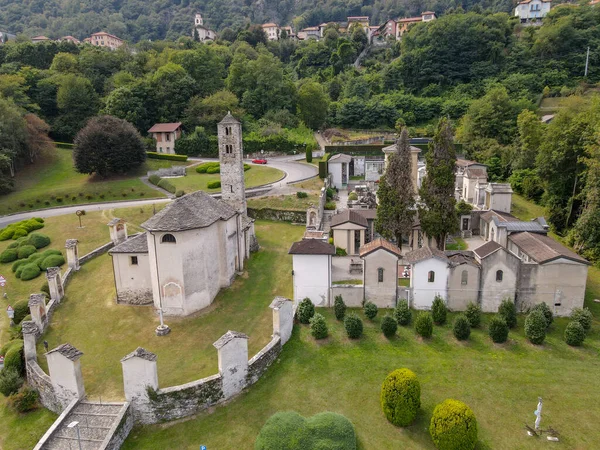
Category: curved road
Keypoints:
(294, 171)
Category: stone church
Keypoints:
(193, 247)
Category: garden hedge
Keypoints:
(318, 326)
(214, 185)
(25, 251)
(9, 255)
(353, 325)
(305, 311)
(167, 186)
(370, 310)
(14, 358)
(473, 314)
(498, 329)
(155, 155)
(461, 328)
(29, 271)
(51, 261)
(439, 311)
(424, 325)
(402, 313)
(545, 310)
(21, 310)
(583, 316)
(339, 307)
(401, 397)
(574, 333)
(508, 311)
(203, 168)
(154, 179)
(38, 240)
(389, 326)
(535, 327)
(453, 426)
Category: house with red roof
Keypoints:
(165, 135)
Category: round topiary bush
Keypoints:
(290, 431)
(508, 311)
(370, 310)
(402, 313)
(25, 251)
(38, 240)
(213, 184)
(52, 261)
(339, 307)
(574, 334)
(473, 314)
(439, 310)
(424, 325)
(389, 326)
(14, 357)
(305, 311)
(353, 325)
(318, 326)
(29, 271)
(21, 310)
(212, 170)
(535, 327)
(461, 328)
(583, 316)
(545, 310)
(453, 426)
(20, 232)
(498, 329)
(10, 381)
(9, 255)
(401, 397)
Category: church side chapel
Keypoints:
(193, 247)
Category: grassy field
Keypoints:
(195, 181)
(52, 181)
(312, 184)
(525, 209)
(460, 244)
(287, 202)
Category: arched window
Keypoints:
(168, 239)
(464, 277)
(380, 274)
(431, 276)
(227, 131)
(499, 275)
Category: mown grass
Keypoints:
(312, 184)
(52, 181)
(194, 181)
(459, 244)
(525, 209)
(284, 202)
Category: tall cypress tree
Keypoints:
(396, 211)
(437, 212)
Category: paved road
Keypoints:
(294, 171)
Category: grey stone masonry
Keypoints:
(30, 335)
(72, 254)
(231, 154)
(55, 284)
(37, 309)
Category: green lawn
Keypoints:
(354, 282)
(286, 202)
(194, 181)
(52, 181)
(460, 244)
(312, 184)
(525, 209)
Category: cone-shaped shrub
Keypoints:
(508, 311)
(305, 311)
(498, 329)
(473, 313)
(402, 313)
(545, 310)
(574, 334)
(389, 326)
(353, 325)
(339, 307)
(535, 327)
(370, 310)
(318, 326)
(424, 325)
(583, 316)
(439, 310)
(461, 328)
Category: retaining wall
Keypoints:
(97, 252)
(277, 214)
(40, 381)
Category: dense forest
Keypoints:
(137, 20)
(483, 71)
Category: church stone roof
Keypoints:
(377, 244)
(340, 158)
(459, 257)
(68, 351)
(543, 249)
(140, 353)
(229, 119)
(195, 210)
(133, 244)
(423, 253)
(487, 249)
(349, 215)
(311, 247)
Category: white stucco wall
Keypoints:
(66, 377)
(501, 202)
(492, 291)
(335, 169)
(312, 278)
(460, 295)
(138, 375)
(383, 294)
(423, 291)
(130, 276)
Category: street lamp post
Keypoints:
(75, 425)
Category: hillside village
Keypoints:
(206, 239)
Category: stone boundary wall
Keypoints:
(173, 171)
(279, 215)
(40, 381)
(97, 252)
(55, 426)
(120, 430)
(353, 294)
(263, 359)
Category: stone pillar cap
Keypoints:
(115, 221)
(52, 272)
(140, 353)
(29, 327)
(37, 299)
(68, 351)
(71, 243)
(278, 302)
(229, 336)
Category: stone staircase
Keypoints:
(98, 422)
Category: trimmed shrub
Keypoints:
(353, 196)
(24, 400)
(14, 357)
(10, 381)
(370, 310)
(535, 327)
(453, 426)
(9, 255)
(508, 311)
(300, 194)
(38, 240)
(29, 271)
(461, 328)
(473, 314)
(402, 313)
(339, 307)
(179, 193)
(439, 310)
(20, 232)
(340, 252)
(305, 311)
(424, 325)
(213, 185)
(330, 206)
(203, 168)
(52, 261)
(212, 170)
(25, 251)
(583, 316)
(545, 310)
(574, 333)
(353, 325)
(21, 310)
(154, 179)
(389, 326)
(167, 186)
(498, 329)
(318, 326)
(247, 167)
(401, 397)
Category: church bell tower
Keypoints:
(233, 188)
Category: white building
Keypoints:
(311, 270)
(165, 135)
(272, 31)
(339, 168)
(349, 230)
(429, 275)
(204, 34)
(532, 10)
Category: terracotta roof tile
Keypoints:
(164, 127)
(311, 247)
(377, 244)
(424, 253)
(543, 249)
(349, 215)
(487, 249)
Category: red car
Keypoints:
(259, 161)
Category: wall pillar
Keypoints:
(72, 254)
(118, 230)
(65, 373)
(283, 318)
(30, 334)
(55, 284)
(140, 372)
(37, 309)
(232, 348)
